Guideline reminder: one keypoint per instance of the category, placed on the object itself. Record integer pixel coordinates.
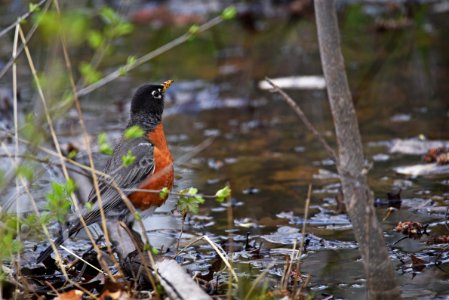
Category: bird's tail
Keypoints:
(46, 253)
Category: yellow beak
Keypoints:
(166, 85)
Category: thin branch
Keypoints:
(20, 50)
(86, 143)
(303, 118)
(145, 58)
(303, 235)
(54, 136)
(81, 259)
(222, 255)
(16, 125)
(19, 20)
(258, 279)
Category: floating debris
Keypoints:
(423, 169)
(415, 146)
(296, 82)
(413, 229)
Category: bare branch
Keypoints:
(303, 118)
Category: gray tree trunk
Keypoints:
(381, 281)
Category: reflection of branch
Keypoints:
(303, 118)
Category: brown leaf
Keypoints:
(114, 291)
(433, 153)
(70, 295)
(410, 228)
(418, 264)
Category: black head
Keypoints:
(148, 101)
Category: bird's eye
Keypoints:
(156, 94)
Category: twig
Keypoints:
(20, 50)
(87, 144)
(303, 118)
(303, 234)
(306, 283)
(230, 218)
(16, 125)
(258, 279)
(217, 249)
(53, 134)
(296, 254)
(19, 20)
(147, 267)
(222, 255)
(81, 259)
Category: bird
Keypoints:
(152, 168)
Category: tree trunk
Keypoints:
(381, 281)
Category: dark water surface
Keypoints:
(399, 83)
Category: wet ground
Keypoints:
(398, 79)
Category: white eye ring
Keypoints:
(156, 94)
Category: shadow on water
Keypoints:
(269, 158)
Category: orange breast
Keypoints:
(163, 175)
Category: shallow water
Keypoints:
(269, 158)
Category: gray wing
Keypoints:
(127, 178)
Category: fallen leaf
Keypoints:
(70, 295)
(410, 228)
(418, 264)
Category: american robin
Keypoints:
(152, 168)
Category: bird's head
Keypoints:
(149, 100)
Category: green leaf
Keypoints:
(192, 191)
(131, 60)
(194, 29)
(102, 138)
(146, 247)
(155, 251)
(123, 29)
(95, 39)
(134, 132)
(88, 206)
(122, 71)
(89, 73)
(109, 16)
(32, 7)
(163, 194)
(222, 194)
(72, 154)
(58, 188)
(105, 148)
(70, 186)
(229, 13)
(58, 201)
(189, 201)
(128, 159)
(137, 216)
